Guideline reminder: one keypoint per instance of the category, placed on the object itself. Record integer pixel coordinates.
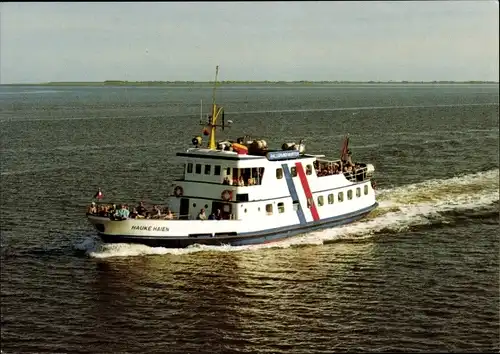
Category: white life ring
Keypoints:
(226, 195)
(178, 191)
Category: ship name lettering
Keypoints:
(149, 228)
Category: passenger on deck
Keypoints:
(141, 209)
(349, 158)
(92, 209)
(202, 215)
(156, 213)
(218, 215)
(211, 216)
(227, 181)
(241, 182)
(168, 214)
(348, 172)
(101, 211)
(134, 214)
(122, 213)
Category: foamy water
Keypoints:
(400, 208)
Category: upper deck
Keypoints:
(269, 155)
(229, 167)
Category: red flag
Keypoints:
(99, 194)
(344, 152)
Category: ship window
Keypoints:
(207, 169)
(279, 173)
(321, 200)
(217, 170)
(358, 192)
(340, 197)
(330, 198)
(296, 206)
(293, 171)
(349, 194)
(309, 169)
(189, 168)
(198, 168)
(309, 202)
(366, 189)
(281, 207)
(228, 171)
(242, 197)
(269, 209)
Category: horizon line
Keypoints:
(114, 82)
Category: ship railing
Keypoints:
(358, 175)
(161, 217)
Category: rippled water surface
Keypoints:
(421, 273)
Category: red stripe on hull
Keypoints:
(307, 190)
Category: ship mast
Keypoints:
(215, 113)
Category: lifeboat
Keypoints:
(240, 148)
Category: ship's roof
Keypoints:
(272, 155)
(218, 154)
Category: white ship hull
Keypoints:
(253, 221)
(163, 232)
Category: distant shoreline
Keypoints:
(207, 83)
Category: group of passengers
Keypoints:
(122, 211)
(241, 182)
(323, 169)
(347, 167)
(244, 179)
(217, 215)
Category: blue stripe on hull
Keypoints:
(293, 193)
(249, 238)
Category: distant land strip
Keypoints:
(173, 83)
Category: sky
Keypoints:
(276, 41)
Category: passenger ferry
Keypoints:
(253, 193)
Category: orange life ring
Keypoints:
(178, 191)
(226, 195)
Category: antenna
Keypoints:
(215, 86)
(201, 111)
(215, 113)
